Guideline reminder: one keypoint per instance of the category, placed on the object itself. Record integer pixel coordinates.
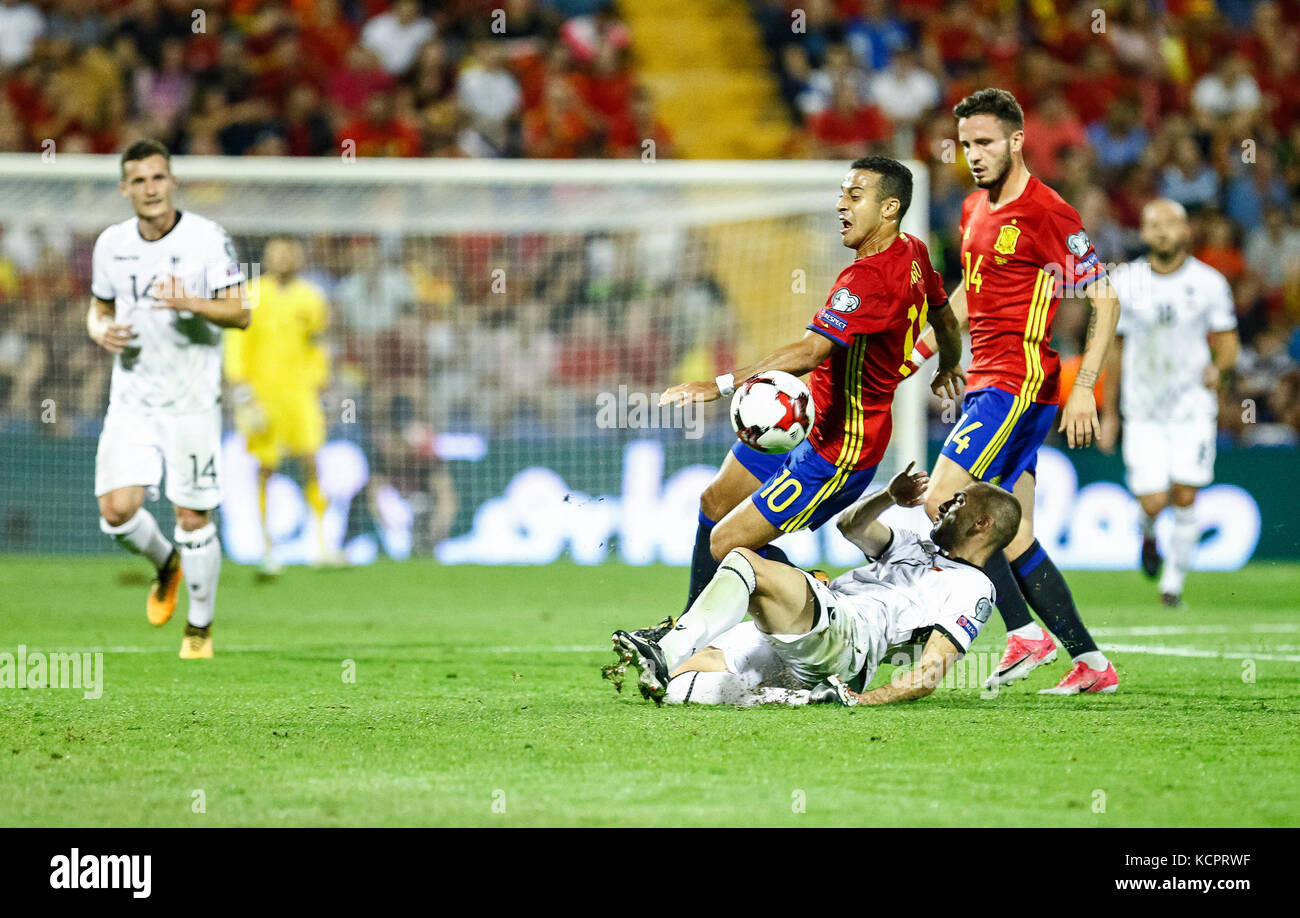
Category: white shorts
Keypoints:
(837, 645)
(136, 446)
(747, 651)
(1160, 453)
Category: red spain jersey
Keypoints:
(875, 312)
(1015, 262)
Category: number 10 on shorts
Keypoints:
(782, 492)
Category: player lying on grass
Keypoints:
(858, 349)
(913, 591)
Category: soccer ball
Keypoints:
(772, 412)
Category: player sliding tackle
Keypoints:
(858, 348)
(914, 591)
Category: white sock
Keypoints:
(1030, 632)
(140, 535)
(1181, 548)
(1095, 659)
(201, 559)
(730, 688)
(721, 605)
(1148, 524)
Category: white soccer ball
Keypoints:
(772, 412)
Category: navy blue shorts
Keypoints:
(801, 489)
(998, 436)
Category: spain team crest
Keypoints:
(1007, 236)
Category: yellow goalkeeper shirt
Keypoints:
(278, 353)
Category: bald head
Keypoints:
(1165, 230)
(1000, 508)
(977, 521)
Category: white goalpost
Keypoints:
(499, 331)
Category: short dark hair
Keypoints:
(997, 102)
(143, 149)
(999, 504)
(895, 179)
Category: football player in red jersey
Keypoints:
(857, 347)
(1022, 248)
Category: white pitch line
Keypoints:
(1199, 653)
(1154, 630)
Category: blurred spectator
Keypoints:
(905, 92)
(1284, 400)
(325, 36)
(21, 24)
(1229, 90)
(1050, 130)
(162, 94)
(627, 135)
(306, 124)
(382, 132)
(372, 296)
(875, 34)
(397, 35)
(490, 98)
(587, 36)
(562, 127)
(849, 128)
(821, 29)
(1220, 250)
(1255, 188)
(837, 69)
(433, 78)
(1273, 251)
(350, 87)
(1189, 179)
(1120, 140)
(585, 361)
(1262, 365)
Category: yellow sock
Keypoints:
(316, 500)
(261, 507)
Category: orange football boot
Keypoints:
(163, 591)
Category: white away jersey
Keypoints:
(917, 590)
(174, 362)
(1165, 319)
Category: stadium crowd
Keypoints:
(1125, 101)
(1190, 100)
(548, 78)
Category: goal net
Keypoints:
(500, 332)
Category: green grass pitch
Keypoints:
(478, 700)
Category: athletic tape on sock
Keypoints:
(739, 564)
(196, 538)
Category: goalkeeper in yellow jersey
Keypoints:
(277, 376)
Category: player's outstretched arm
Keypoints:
(1110, 421)
(859, 522)
(928, 343)
(1079, 420)
(797, 357)
(228, 309)
(950, 380)
(109, 334)
(922, 679)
